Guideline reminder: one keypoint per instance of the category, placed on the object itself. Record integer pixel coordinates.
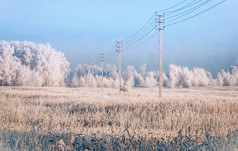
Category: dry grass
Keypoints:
(92, 113)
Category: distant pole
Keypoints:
(160, 54)
(92, 71)
(102, 59)
(119, 50)
(85, 73)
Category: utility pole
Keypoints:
(160, 52)
(92, 63)
(85, 73)
(102, 59)
(119, 50)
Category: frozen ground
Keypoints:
(134, 115)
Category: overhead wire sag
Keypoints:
(196, 14)
(187, 11)
(184, 7)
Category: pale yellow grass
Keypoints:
(90, 112)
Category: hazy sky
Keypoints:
(83, 29)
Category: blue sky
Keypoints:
(83, 29)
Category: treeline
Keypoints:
(30, 64)
(177, 77)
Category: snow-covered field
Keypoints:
(136, 114)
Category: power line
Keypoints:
(112, 57)
(142, 42)
(97, 59)
(143, 36)
(196, 14)
(137, 39)
(139, 35)
(128, 39)
(172, 6)
(187, 11)
(139, 31)
(184, 7)
(111, 48)
(97, 62)
(109, 54)
(133, 45)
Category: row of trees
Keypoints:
(178, 77)
(30, 64)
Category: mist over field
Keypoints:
(29, 64)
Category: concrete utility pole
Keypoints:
(160, 53)
(119, 50)
(92, 63)
(85, 73)
(102, 59)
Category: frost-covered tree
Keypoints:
(129, 75)
(75, 80)
(178, 77)
(111, 71)
(133, 78)
(229, 78)
(23, 62)
(98, 80)
(143, 70)
(150, 79)
(183, 77)
(81, 81)
(79, 70)
(108, 82)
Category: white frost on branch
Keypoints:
(178, 77)
(29, 64)
(229, 78)
(183, 77)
